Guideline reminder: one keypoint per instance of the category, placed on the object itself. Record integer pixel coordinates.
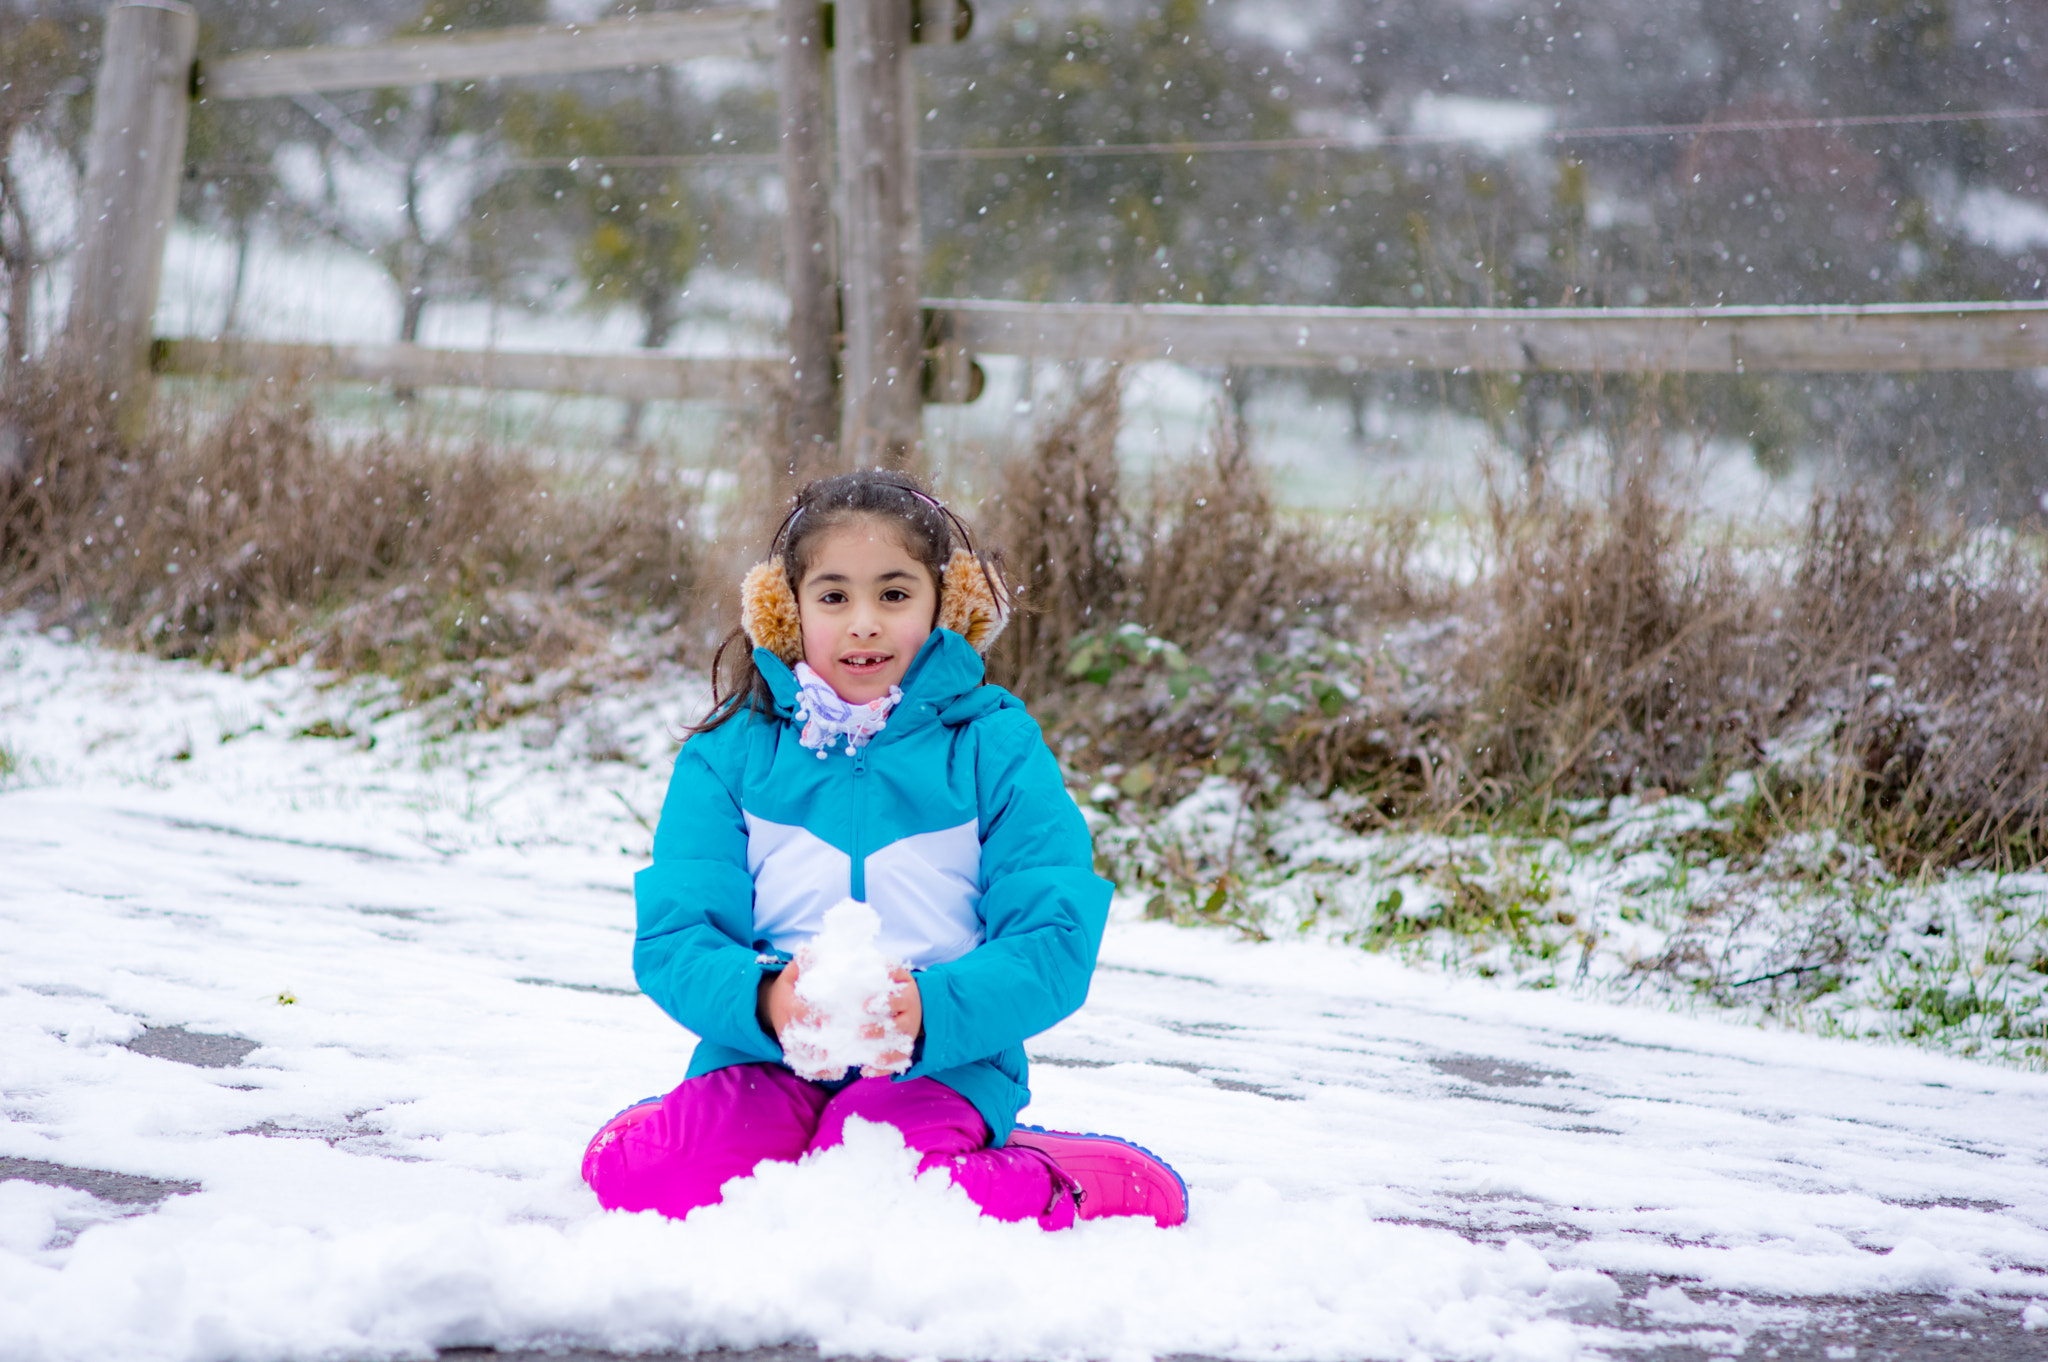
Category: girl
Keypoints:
(863, 756)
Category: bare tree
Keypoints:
(637, 227)
(41, 141)
(396, 173)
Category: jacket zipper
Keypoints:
(859, 887)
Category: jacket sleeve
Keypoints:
(692, 953)
(1043, 909)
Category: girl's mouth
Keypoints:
(864, 662)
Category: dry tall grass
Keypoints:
(1203, 553)
(1921, 654)
(1218, 558)
(1620, 652)
(1064, 531)
(1885, 672)
(261, 539)
(1888, 672)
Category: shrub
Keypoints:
(258, 538)
(1882, 673)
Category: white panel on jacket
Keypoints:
(926, 888)
(797, 876)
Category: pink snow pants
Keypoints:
(677, 1154)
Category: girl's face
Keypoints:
(866, 606)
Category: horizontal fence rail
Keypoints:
(1898, 337)
(632, 377)
(539, 49)
(1903, 337)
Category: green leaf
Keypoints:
(1094, 659)
(1138, 779)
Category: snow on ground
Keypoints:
(1815, 934)
(426, 935)
(325, 292)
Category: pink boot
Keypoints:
(1115, 1177)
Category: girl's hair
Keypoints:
(929, 531)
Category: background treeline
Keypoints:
(468, 192)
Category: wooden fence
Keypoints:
(635, 376)
(866, 352)
(542, 49)
(859, 282)
(1673, 340)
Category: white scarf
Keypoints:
(827, 717)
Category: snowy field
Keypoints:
(426, 938)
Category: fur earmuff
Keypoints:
(968, 605)
(768, 612)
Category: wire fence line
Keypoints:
(1374, 141)
(1365, 143)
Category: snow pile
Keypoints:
(848, 1249)
(843, 982)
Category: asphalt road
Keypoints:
(1887, 1329)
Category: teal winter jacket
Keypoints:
(952, 823)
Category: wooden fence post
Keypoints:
(133, 164)
(810, 250)
(882, 416)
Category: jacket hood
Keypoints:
(945, 680)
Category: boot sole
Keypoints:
(1077, 1145)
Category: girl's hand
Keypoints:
(906, 1024)
(777, 1004)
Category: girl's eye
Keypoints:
(832, 598)
(895, 593)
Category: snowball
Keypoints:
(845, 982)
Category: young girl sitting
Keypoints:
(863, 757)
